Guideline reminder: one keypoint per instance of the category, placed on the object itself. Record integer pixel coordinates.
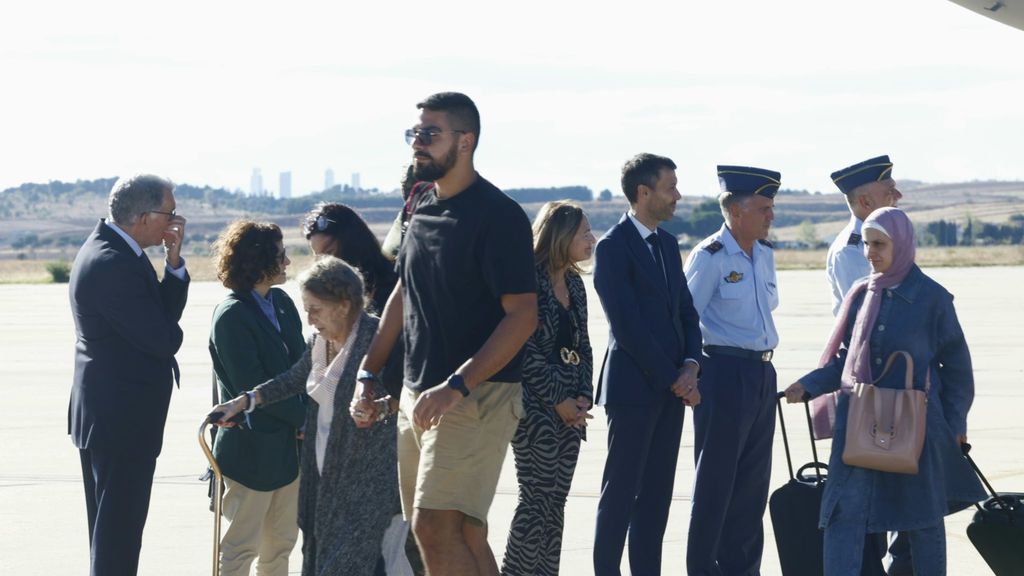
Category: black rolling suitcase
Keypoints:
(997, 530)
(795, 508)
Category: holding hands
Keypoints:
(366, 409)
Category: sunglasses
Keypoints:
(425, 136)
(319, 224)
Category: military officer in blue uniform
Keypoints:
(731, 275)
(868, 186)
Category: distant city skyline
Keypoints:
(802, 88)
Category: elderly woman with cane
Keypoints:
(348, 483)
(896, 313)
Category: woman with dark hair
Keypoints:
(337, 230)
(256, 335)
(558, 368)
(895, 309)
(349, 486)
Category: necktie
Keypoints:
(658, 261)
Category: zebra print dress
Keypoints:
(545, 449)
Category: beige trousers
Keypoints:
(261, 527)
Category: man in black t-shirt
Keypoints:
(465, 303)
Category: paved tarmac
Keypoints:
(42, 513)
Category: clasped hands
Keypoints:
(574, 412)
(685, 386)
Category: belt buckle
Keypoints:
(766, 356)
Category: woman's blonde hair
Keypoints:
(553, 230)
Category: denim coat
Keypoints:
(918, 317)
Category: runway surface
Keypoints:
(42, 512)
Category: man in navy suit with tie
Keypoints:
(126, 326)
(649, 371)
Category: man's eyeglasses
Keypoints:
(318, 224)
(170, 215)
(425, 136)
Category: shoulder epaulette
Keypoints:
(854, 240)
(713, 247)
(766, 243)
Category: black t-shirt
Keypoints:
(460, 256)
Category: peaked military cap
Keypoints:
(873, 170)
(749, 181)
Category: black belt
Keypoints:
(763, 356)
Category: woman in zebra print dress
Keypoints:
(557, 391)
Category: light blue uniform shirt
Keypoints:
(734, 293)
(846, 263)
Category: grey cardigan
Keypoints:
(344, 511)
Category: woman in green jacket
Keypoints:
(256, 335)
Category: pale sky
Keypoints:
(204, 91)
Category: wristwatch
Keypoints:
(367, 375)
(455, 381)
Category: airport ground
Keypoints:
(42, 512)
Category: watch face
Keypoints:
(455, 381)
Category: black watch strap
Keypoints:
(455, 381)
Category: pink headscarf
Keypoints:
(895, 224)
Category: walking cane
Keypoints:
(217, 489)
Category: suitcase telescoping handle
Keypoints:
(1003, 504)
(818, 466)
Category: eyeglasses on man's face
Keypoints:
(318, 224)
(170, 215)
(425, 136)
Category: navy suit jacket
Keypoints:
(126, 328)
(654, 326)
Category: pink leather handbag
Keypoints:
(886, 426)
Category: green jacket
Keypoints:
(247, 350)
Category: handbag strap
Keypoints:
(908, 378)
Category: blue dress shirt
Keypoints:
(734, 293)
(846, 262)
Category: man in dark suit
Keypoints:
(126, 325)
(649, 371)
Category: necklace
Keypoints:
(570, 356)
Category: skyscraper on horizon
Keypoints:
(285, 188)
(256, 183)
(328, 179)
(355, 181)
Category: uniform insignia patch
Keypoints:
(734, 277)
(855, 240)
(713, 247)
(766, 243)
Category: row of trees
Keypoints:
(972, 232)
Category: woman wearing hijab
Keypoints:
(896, 308)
